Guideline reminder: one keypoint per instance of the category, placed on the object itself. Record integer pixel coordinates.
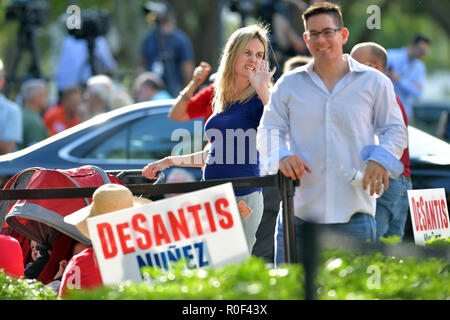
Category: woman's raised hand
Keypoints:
(201, 72)
(261, 76)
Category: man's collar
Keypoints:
(354, 66)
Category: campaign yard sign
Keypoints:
(203, 227)
(429, 214)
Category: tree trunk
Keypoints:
(200, 20)
(129, 21)
(440, 13)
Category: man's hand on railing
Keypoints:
(294, 167)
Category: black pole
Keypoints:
(26, 40)
(91, 51)
(287, 190)
(309, 252)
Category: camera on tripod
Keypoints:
(33, 13)
(158, 11)
(94, 23)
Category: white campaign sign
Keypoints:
(429, 214)
(203, 227)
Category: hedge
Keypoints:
(341, 275)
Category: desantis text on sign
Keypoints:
(153, 231)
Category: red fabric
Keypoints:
(405, 157)
(55, 120)
(61, 250)
(25, 244)
(62, 247)
(11, 260)
(200, 105)
(82, 272)
(23, 241)
(44, 179)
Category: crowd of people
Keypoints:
(328, 112)
(32, 116)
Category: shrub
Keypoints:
(438, 242)
(251, 280)
(20, 289)
(345, 275)
(341, 275)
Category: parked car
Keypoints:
(126, 138)
(430, 161)
(428, 113)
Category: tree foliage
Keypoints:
(207, 28)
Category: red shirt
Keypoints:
(405, 157)
(11, 259)
(55, 120)
(200, 105)
(82, 272)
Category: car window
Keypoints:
(152, 137)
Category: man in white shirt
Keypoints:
(323, 117)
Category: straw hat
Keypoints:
(107, 198)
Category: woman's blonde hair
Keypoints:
(224, 90)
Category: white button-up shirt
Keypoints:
(328, 131)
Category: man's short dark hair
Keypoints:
(329, 8)
(421, 38)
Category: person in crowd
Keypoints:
(10, 120)
(241, 89)
(82, 271)
(65, 114)
(97, 96)
(121, 97)
(73, 67)
(35, 101)
(11, 259)
(166, 50)
(392, 207)
(324, 116)
(189, 106)
(148, 86)
(407, 71)
(294, 62)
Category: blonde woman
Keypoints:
(241, 89)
